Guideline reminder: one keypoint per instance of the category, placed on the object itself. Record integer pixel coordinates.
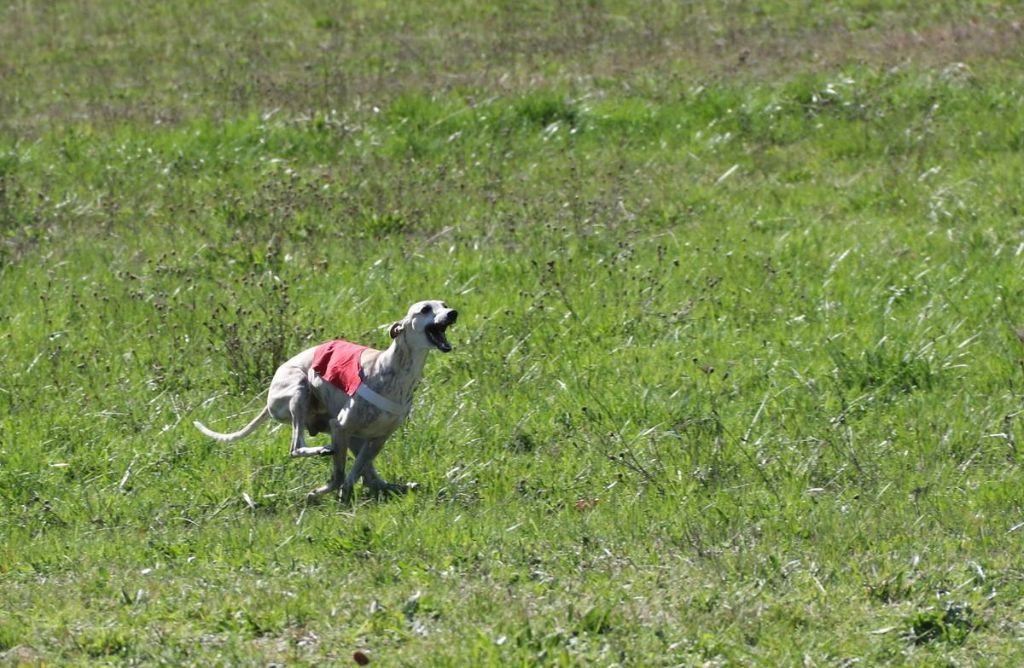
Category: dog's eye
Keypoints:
(426, 309)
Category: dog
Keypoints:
(359, 394)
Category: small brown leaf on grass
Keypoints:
(586, 504)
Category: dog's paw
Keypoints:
(312, 452)
(389, 489)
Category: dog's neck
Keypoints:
(396, 371)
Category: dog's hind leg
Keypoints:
(298, 406)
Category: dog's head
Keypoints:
(425, 324)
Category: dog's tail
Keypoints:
(244, 431)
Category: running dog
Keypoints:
(359, 394)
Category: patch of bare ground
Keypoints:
(707, 49)
(967, 41)
(81, 65)
(20, 655)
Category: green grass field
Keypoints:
(738, 377)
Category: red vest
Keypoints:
(337, 362)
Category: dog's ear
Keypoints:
(395, 330)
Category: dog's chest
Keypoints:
(365, 420)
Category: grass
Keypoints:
(737, 377)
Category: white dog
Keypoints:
(359, 394)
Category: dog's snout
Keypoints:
(453, 315)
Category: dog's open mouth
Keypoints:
(435, 334)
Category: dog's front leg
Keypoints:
(339, 451)
(373, 480)
(365, 455)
